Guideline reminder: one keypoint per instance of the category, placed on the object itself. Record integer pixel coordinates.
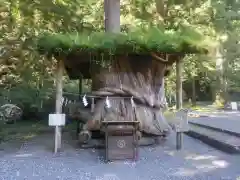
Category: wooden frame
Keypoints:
(120, 131)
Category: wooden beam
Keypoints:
(58, 107)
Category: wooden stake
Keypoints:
(59, 94)
(179, 140)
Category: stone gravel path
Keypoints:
(196, 161)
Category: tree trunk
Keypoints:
(125, 79)
(161, 10)
(142, 81)
(220, 88)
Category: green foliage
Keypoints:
(26, 78)
(184, 40)
(22, 131)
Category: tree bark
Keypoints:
(220, 88)
(125, 79)
(161, 10)
(143, 82)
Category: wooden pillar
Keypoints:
(179, 99)
(112, 15)
(92, 105)
(58, 108)
(80, 86)
(179, 140)
(194, 99)
(80, 99)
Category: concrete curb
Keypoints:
(228, 148)
(216, 129)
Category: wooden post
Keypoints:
(80, 99)
(194, 100)
(179, 140)
(80, 87)
(92, 105)
(112, 15)
(179, 99)
(59, 93)
(181, 127)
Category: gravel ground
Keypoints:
(196, 161)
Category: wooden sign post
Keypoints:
(58, 119)
(181, 127)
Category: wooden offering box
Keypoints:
(121, 141)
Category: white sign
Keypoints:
(234, 106)
(56, 119)
(182, 121)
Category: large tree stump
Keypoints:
(135, 76)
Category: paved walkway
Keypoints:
(224, 120)
(196, 161)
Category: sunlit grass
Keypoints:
(29, 136)
(201, 108)
(170, 114)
